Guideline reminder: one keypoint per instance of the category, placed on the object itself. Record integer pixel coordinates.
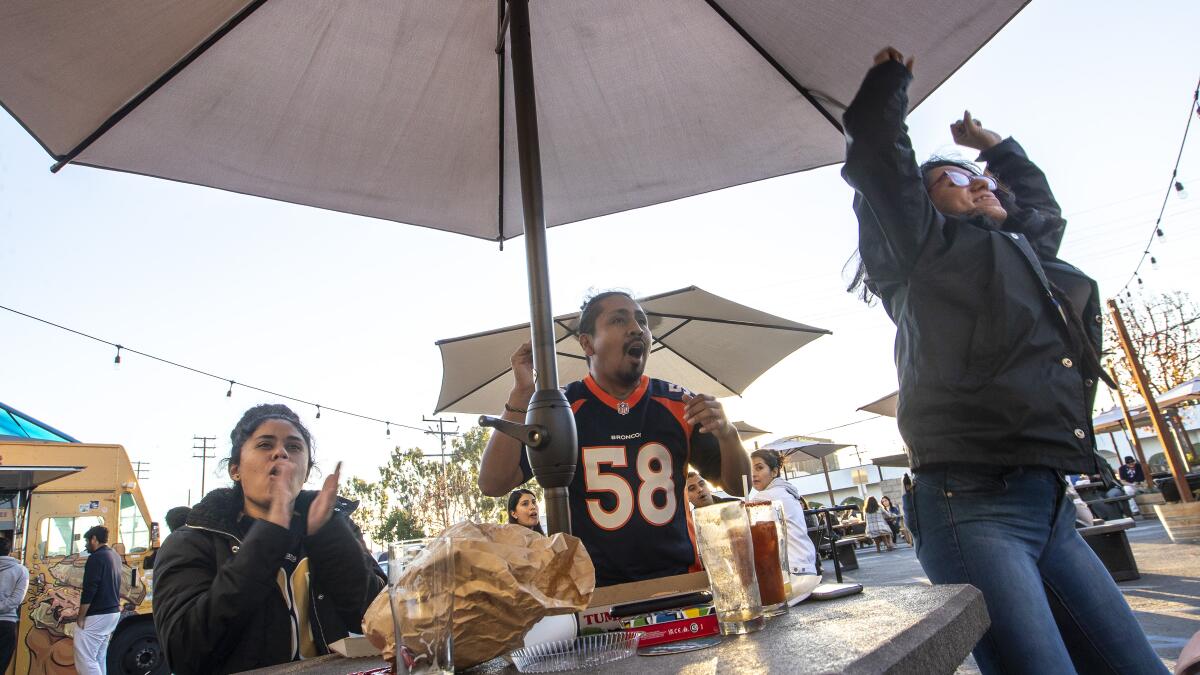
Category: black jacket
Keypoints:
(220, 603)
(995, 367)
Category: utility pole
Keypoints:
(1133, 437)
(441, 433)
(137, 470)
(203, 447)
(1143, 384)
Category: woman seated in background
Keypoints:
(802, 555)
(877, 523)
(263, 572)
(893, 522)
(523, 510)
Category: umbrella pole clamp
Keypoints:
(551, 444)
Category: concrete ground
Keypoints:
(1166, 599)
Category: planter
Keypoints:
(1182, 521)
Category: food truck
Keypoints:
(54, 488)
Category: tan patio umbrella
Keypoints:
(799, 448)
(746, 431)
(426, 111)
(701, 341)
(885, 406)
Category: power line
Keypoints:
(1174, 184)
(388, 424)
(841, 426)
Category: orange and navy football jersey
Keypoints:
(627, 500)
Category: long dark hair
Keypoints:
(250, 422)
(772, 458)
(860, 282)
(514, 498)
(872, 505)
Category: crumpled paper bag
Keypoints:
(506, 578)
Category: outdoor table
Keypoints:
(929, 629)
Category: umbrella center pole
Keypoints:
(552, 460)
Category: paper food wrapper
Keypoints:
(506, 578)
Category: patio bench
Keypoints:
(1111, 544)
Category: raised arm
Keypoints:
(1033, 210)
(707, 416)
(500, 467)
(896, 218)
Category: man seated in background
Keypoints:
(699, 493)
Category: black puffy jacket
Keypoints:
(220, 600)
(996, 338)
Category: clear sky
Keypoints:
(345, 310)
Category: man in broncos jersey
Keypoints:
(637, 436)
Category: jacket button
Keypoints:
(1089, 382)
(1067, 363)
(321, 596)
(1099, 319)
(1079, 433)
(235, 548)
(1015, 236)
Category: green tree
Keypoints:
(416, 496)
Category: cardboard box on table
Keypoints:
(597, 618)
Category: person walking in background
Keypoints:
(99, 604)
(996, 351)
(523, 510)
(14, 581)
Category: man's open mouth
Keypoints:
(636, 349)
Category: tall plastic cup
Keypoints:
(770, 563)
(421, 591)
(724, 533)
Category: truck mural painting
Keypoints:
(58, 488)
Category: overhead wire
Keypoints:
(1173, 184)
(321, 407)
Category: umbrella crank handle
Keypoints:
(531, 435)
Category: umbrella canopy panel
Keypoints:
(885, 406)
(701, 341)
(746, 431)
(394, 109)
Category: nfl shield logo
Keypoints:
(622, 408)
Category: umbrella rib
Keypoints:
(776, 65)
(503, 21)
(693, 364)
(734, 322)
(664, 336)
(157, 84)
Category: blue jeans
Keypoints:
(1010, 532)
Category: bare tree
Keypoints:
(1165, 333)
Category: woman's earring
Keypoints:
(237, 476)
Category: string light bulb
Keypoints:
(1180, 190)
(1139, 279)
(1153, 262)
(229, 394)
(318, 411)
(1158, 232)
(117, 359)
(389, 428)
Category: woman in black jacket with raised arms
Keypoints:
(996, 353)
(264, 573)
